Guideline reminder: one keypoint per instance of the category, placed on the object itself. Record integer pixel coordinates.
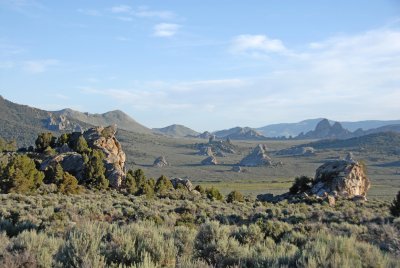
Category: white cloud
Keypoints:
(166, 29)
(121, 9)
(39, 66)
(255, 44)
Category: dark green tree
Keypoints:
(301, 184)
(200, 189)
(95, 171)
(163, 185)
(81, 145)
(139, 176)
(54, 174)
(45, 140)
(131, 186)
(20, 176)
(63, 139)
(395, 206)
(68, 184)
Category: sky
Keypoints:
(207, 64)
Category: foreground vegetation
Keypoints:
(110, 229)
(53, 219)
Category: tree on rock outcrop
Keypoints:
(81, 145)
(301, 184)
(20, 176)
(95, 171)
(45, 140)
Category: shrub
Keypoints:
(395, 206)
(10, 146)
(21, 176)
(45, 140)
(200, 189)
(301, 184)
(139, 177)
(235, 196)
(214, 194)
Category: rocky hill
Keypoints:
(240, 133)
(24, 123)
(117, 117)
(177, 131)
(324, 130)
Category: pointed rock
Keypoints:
(258, 157)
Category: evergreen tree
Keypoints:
(68, 184)
(45, 140)
(63, 139)
(20, 176)
(235, 196)
(81, 145)
(395, 207)
(139, 177)
(95, 170)
(131, 185)
(163, 184)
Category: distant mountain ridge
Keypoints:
(326, 130)
(177, 131)
(24, 123)
(294, 129)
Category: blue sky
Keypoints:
(205, 64)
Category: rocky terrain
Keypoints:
(257, 157)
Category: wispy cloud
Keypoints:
(256, 44)
(166, 29)
(90, 12)
(39, 66)
(142, 12)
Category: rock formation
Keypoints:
(160, 162)
(297, 151)
(237, 169)
(341, 178)
(324, 130)
(258, 157)
(103, 138)
(211, 160)
(206, 151)
(71, 162)
(185, 182)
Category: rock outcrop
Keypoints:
(103, 138)
(206, 151)
(160, 162)
(341, 178)
(184, 182)
(258, 157)
(211, 160)
(71, 162)
(297, 151)
(324, 130)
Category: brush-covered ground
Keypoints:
(184, 161)
(110, 229)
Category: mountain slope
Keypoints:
(176, 131)
(121, 119)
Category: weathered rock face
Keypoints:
(342, 178)
(211, 160)
(258, 157)
(207, 151)
(103, 138)
(160, 162)
(71, 162)
(185, 182)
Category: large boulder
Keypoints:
(103, 138)
(184, 182)
(160, 162)
(345, 178)
(258, 157)
(71, 162)
(211, 160)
